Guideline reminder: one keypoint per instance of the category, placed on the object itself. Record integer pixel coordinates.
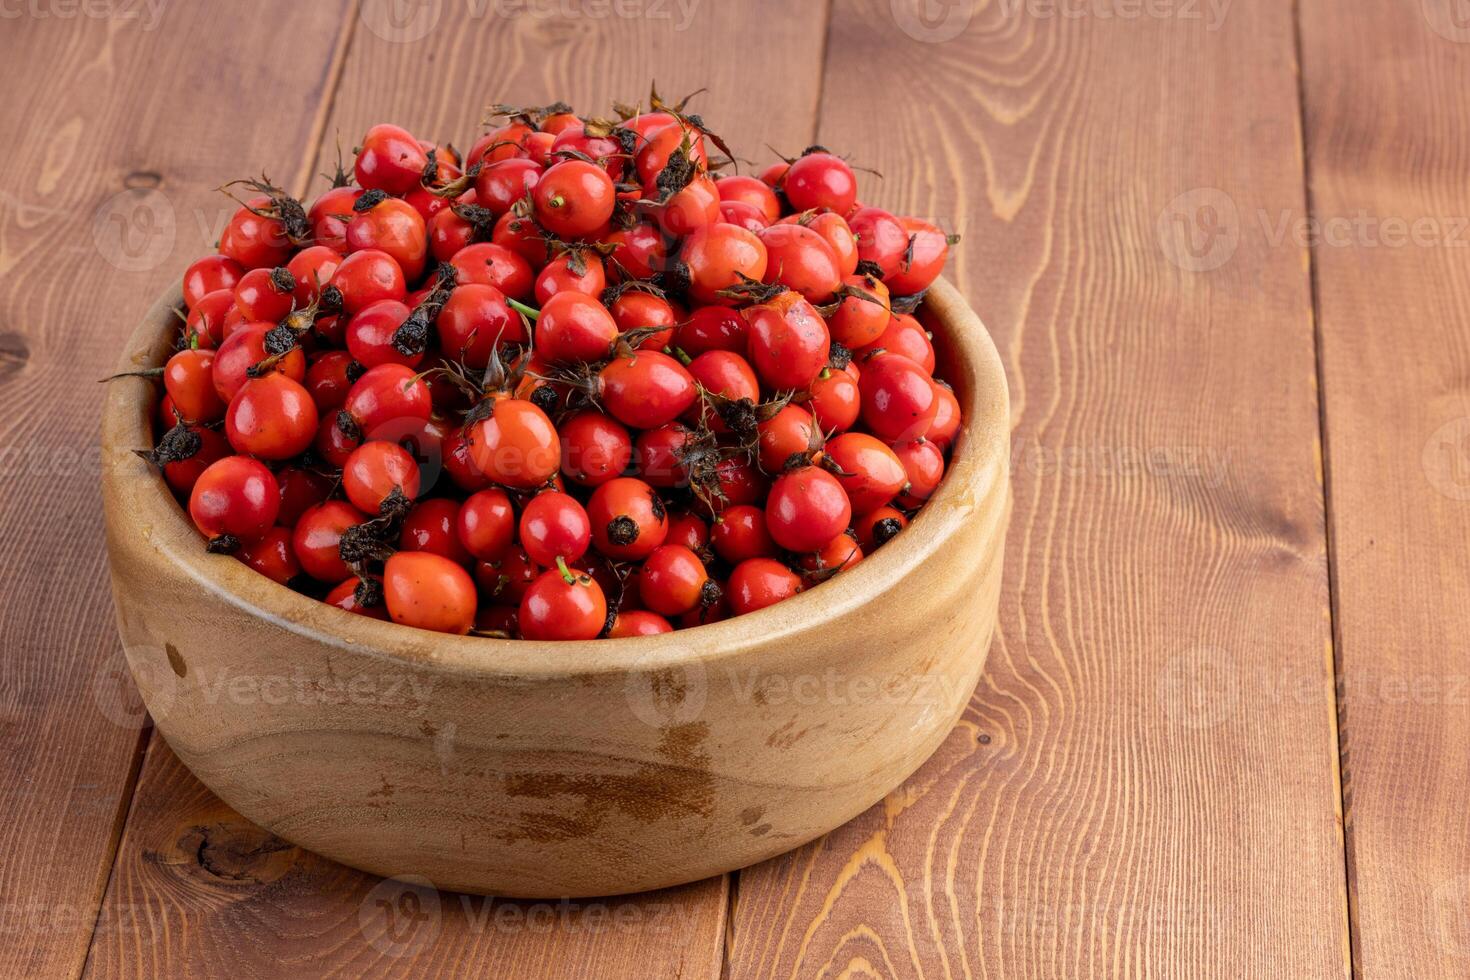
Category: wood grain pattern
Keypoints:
(1145, 782)
(106, 192)
(439, 85)
(1388, 148)
(201, 892)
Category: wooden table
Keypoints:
(1222, 247)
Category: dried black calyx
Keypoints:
(885, 530)
(675, 279)
(369, 200)
(282, 279)
(369, 592)
(280, 340)
(676, 175)
(281, 206)
(355, 370)
(622, 530)
(224, 544)
(481, 219)
(178, 444)
(906, 304)
(396, 504)
(710, 593)
(412, 336)
(347, 425)
(361, 543)
(627, 139)
(545, 398)
(740, 415)
(839, 356)
(867, 267)
(330, 300)
(748, 290)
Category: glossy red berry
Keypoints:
(672, 581)
(628, 519)
(870, 472)
(380, 476)
(788, 342)
(806, 509)
(514, 444)
(386, 395)
(645, 389)
(474, 319)
(271, 555)
(899, 403)
(429, 591)
(740, 533)
(639, 622)
(554, 525)
(188, 377)
(760, 582)
(573, 198)
(236, 497)
(563, 604)
(574, 327)
(595, 448)
(317, 539)
(800, 259)
(390, 160)
(208, 275)
(923, 464)
(271, 417)
(433, 525)
(486, 524)
(821, 181)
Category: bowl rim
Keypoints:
(137, 496)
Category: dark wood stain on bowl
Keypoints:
(652, 791)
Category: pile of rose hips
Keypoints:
(573, 384)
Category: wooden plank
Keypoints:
(436, 77)
(119, 134)
(1145, 782)
(1387, 142)
(199, 891)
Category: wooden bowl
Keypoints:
(535, 769)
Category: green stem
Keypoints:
(566, 573)
(528, 311)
